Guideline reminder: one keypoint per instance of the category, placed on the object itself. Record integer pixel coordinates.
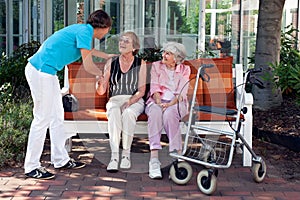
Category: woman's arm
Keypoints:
(103, 80)
(182, 86)
(171, 103)
(157, 97)
(88, 63)
(155, 91)
(101, 54)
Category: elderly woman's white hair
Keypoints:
(177, 49)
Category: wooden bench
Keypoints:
(91, 117)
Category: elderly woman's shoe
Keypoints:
(154, 169)
(125, 162)
(113, 166)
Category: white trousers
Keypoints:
(47, 113)
(122, 121)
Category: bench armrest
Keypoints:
(248, 99)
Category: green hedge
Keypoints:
(15, 120)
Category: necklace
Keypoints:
(126, 63)
(127, 60)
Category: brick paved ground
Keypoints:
(93, 182)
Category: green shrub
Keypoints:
(151, 54)
(15, 120)
(12, 66)
(287, 71)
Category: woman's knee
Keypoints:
(171, 115)
(129, 114)
(113, 112)
(154, 110)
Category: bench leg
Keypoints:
(247, 157)
(68, 144)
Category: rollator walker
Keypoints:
(213, 148)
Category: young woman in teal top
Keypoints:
(62, 48)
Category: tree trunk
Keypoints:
(268, 51)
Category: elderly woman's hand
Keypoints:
(164, 106)
(126, 105)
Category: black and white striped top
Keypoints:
(124, 83)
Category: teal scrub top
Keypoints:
(62, 48)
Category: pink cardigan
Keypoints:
(159, 80)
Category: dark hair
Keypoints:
(99, 19)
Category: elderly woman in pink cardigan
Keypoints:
(167, 89)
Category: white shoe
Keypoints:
(154, 169)
(113, 165)
(238, 149)
(125, 162)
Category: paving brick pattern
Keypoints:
(93, 182)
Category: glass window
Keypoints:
(58, 14)
(290, 17)
(249, 30)
(17, 25)
(35, 20)
(218, 20)
(11, 26)
(182, 25)
(229, 26)
(80, 11)
(2, 26)
(113, 9)
(150, 23)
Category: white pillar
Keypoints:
(45, 19)
(26, 22)
(70, 12)
(162, 10)
(201, 26)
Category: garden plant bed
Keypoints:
(277, 136)
(279, 125)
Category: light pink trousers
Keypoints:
(168, 120)
(47, 113)
(122, 121)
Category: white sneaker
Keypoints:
(238, 149)
(154, 169)
(125, 162)
(113, 165)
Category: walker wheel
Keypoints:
(206, 185)
(259, 170)
(183, 174)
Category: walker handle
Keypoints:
(253, 80)
(254, 71)
(203, 75)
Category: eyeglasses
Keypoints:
(167, 53)
(124, 40)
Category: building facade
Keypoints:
(221, 27)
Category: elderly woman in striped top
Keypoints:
(125, 77)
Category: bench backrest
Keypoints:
(217, 92)
(83, 85)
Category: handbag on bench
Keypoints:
(70, 103)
